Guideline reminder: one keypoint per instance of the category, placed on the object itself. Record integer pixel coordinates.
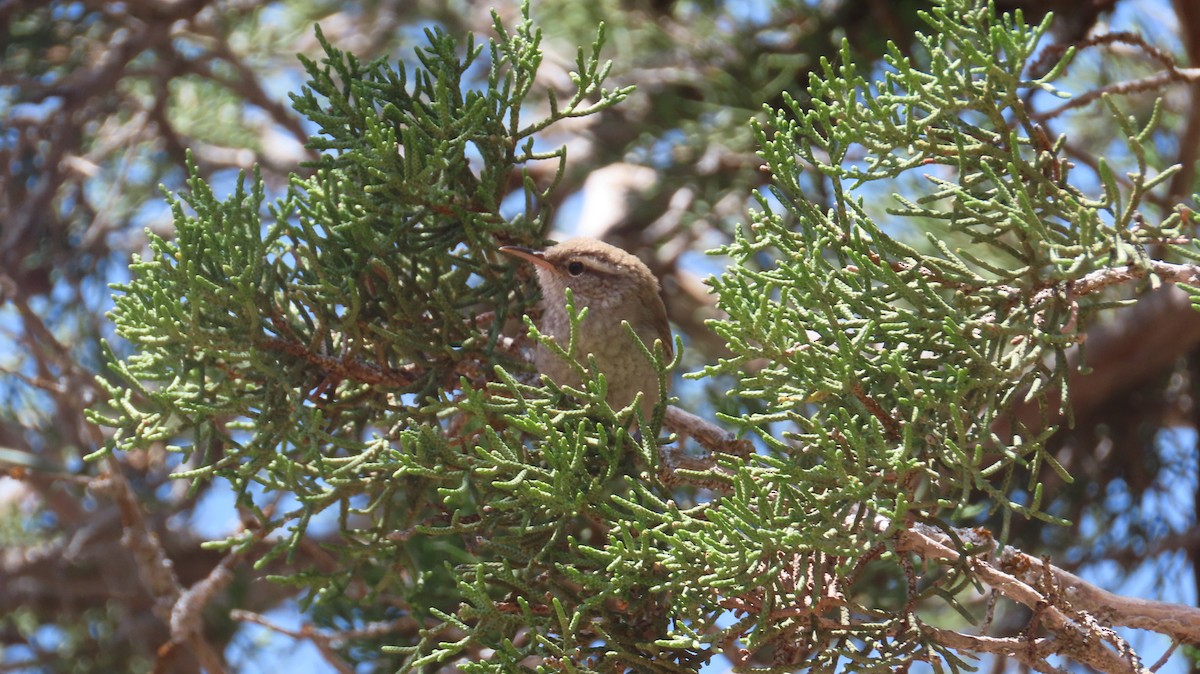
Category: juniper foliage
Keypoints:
(346, 349)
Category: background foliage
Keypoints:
(321, 339)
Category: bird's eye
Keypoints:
(575, 268)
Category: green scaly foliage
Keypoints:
(345, 350)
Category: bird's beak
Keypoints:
(535, 256)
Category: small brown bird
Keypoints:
(614, 286)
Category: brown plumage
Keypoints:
(615, 286)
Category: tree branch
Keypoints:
(1072, 609)
(1178, 621)
(1152, 82)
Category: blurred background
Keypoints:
(99, 101)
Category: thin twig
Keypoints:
(1165, 656)
(1042, 587)
(710, 436)
(1155, 81)
(677, 468)
(325, 641)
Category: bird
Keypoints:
(615, 286)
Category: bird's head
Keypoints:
(599, 275)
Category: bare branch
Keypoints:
(1031, 653)
(1178, 621)
(157, 572)
(327, 641)
(1073, 610)
(1155, 81)
(710, 436)
(677, 467)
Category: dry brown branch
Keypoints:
(1150, 83)
(676, 467)
(186, 613)
(152, 563)
(1073, 639)
(1031, 653)
(1189, 140)
(1102, 278)
(1178, 621)
(323, 642)
(1054, 52)
(1183, 182)
(1077, 614)
(327, 641)
(710, 436)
